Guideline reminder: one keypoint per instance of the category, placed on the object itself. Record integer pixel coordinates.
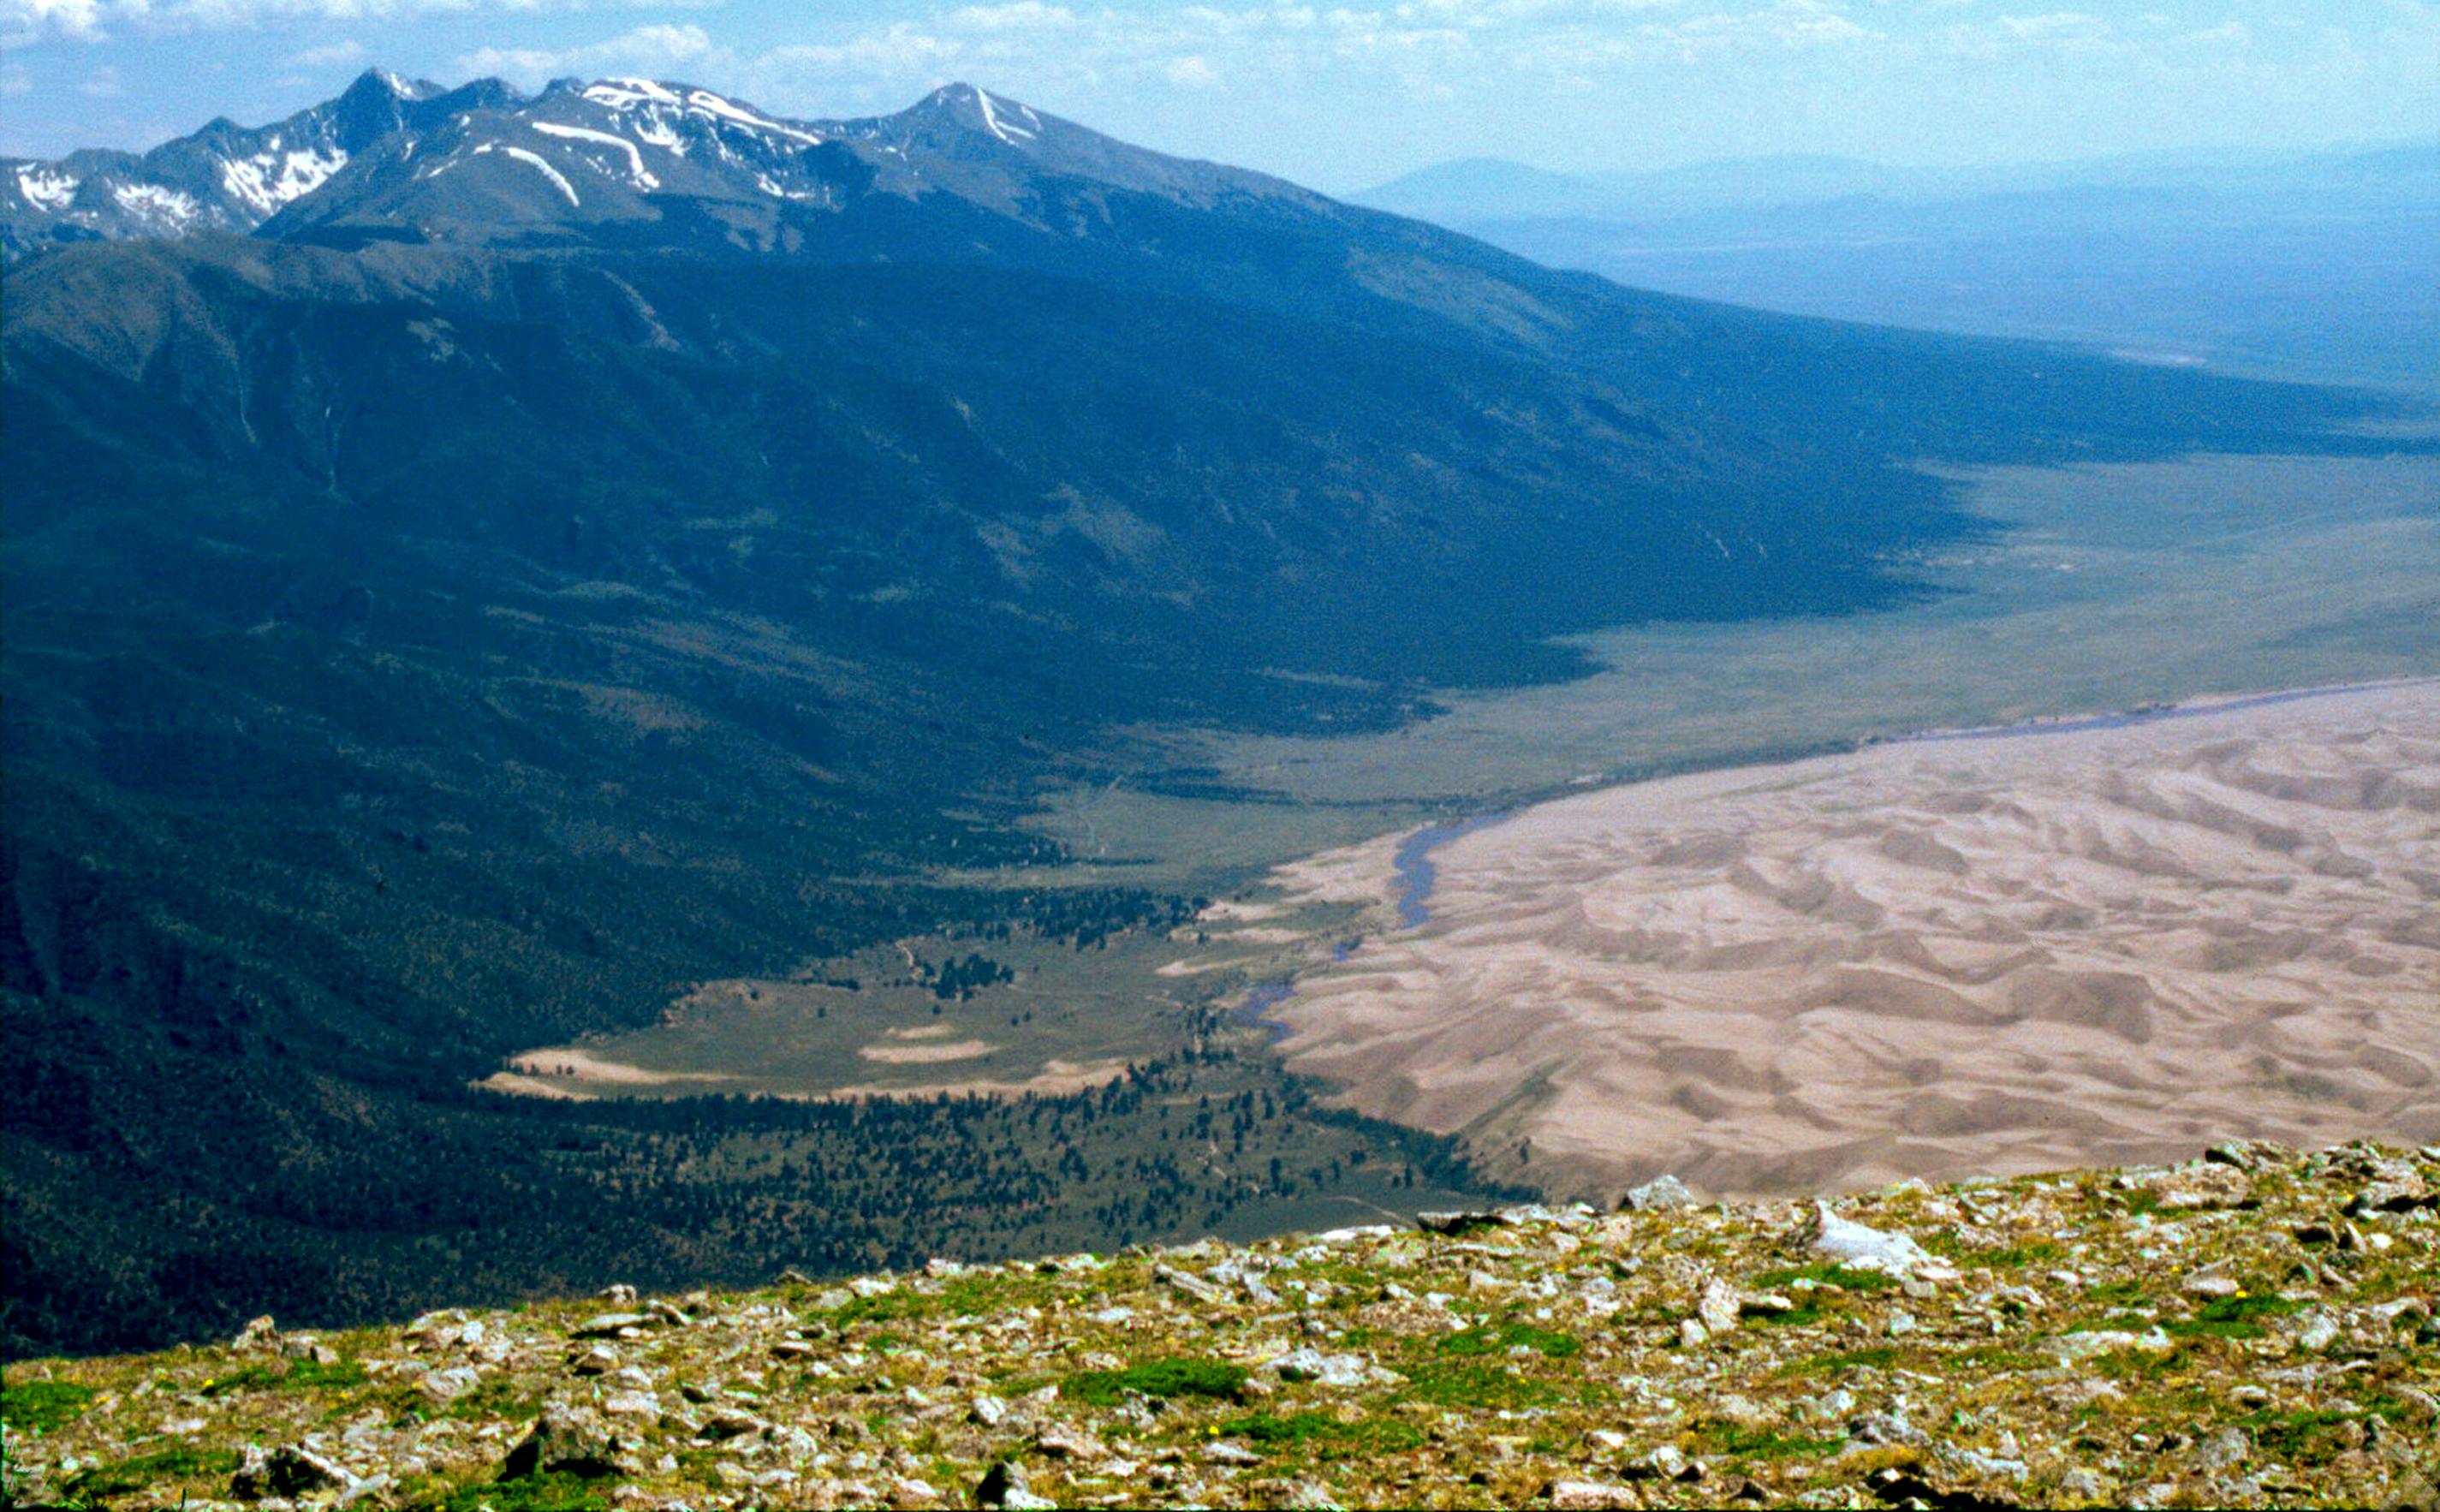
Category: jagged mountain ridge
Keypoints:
(224, 177)
(405, 159)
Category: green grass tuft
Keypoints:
(1875, 1357)
(40, 1406)
(124, 1476)
(1478, 1384)
(283, 1376)
(1499, 1339)
(536, 1493)
(1846, 1278)
(1298, 1431)
(1157, 1378)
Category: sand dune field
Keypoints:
(1934, 957)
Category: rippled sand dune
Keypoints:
(1929, 959)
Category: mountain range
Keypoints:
(1490, 189)
(479, 563)
(2315, 264)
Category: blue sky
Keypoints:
(1338, 97)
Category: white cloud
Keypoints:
(1023, 15)
(102, 83)
(1422, 48)
(654, 49)
(25, 22)
(2054, 26)
(2074, 31)
(337, 55)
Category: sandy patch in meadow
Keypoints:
(581, 1067)
(1982, 955)
(1057, 1078)
(903, 1053)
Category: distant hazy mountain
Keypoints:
(2318, 264)
(1480, 189)
(1489, 189)
(586, 543)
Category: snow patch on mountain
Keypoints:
(711, 104)
(621, 93)
(638, 174)
(1004, 131)
(45, 190)
(537, 160)
(150, 203)
(268, 180)
(534, 160)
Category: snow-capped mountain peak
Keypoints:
(670, 163)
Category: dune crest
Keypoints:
(1988, 955)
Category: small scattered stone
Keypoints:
(564, 1441)
(1190, 1284)
(599, 1361)
(2107, 1340)
(1867, 1249)
(731, 1424)
(1460, 1221)
(1003, 1479)
(1716, 1306)
(1069, 1444)
(610, 1326)
(2224, 1449)
(1660, 1193)
(289, 1471)
(1590, 1496)
(1312, 1365)
(2193, 1188)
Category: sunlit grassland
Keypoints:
(2108, 588)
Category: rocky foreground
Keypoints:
(2253, 1328)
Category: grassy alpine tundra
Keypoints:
(2253, 1329)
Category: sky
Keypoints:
(1336, 96)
